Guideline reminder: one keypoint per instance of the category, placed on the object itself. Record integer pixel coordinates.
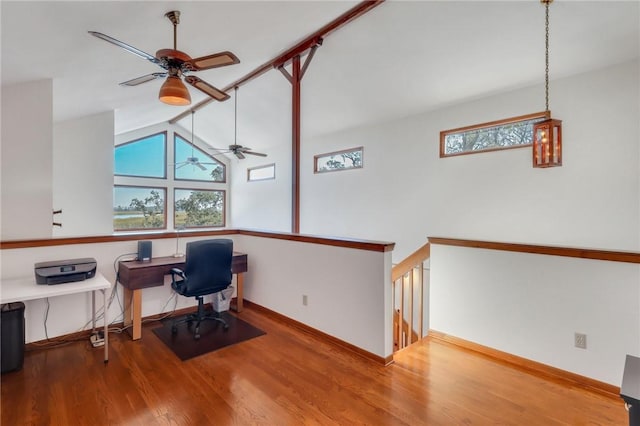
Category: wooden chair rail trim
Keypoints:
(581, 253)
(379, 246)
(410, 262)
(537, 368)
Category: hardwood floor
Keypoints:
(287, 377)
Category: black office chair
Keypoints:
(207, 271)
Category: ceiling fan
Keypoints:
(177, 64)
(193, 160)
(237, 150)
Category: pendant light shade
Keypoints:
(547, 143)
(174, 92)
(547, 134)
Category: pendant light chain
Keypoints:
(546, 55)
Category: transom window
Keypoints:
(145, 157)
(265, 172)
(338, 160)
(512, 132)
(191, 163)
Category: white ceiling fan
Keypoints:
(193, 160)
(237, 150)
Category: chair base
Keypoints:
(199, 316)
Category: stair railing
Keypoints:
(404, 277)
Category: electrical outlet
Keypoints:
(580, 340)
(305, 300)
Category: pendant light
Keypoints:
(547, 134)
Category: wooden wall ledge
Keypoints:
(582, 253)
(380, 246)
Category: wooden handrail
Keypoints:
(411, 261)
(380, 246)
(581, 253)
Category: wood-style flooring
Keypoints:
(287, 377)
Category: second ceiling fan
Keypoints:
(176, 65)
(235, 149)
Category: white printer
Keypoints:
(65, 271)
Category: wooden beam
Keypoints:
(295, 145)
(297, 50)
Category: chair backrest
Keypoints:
(208, 266)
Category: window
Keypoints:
(339, 160)
(196, 208)
(146, 157)
(136, 207)
(261, 172)
(512, 132)
(151, 192)
(191, 163)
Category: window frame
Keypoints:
(543, 115)
(224, 207)
(250, 169)
(224, 167)
(164, 212)
(333, 154)
(164, 161)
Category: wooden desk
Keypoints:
(23, 289)
(135, 275)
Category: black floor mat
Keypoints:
(212, 336)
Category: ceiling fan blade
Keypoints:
(125, 46)
(181, 165)
(239, 155)
(200, 165)
(213, 61)
(259, 154)
(220, 151)
(206, 88)
(143, 79)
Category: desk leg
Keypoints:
(239, 294)
(133, 312)
(106, 326)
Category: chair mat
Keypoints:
(212, 336)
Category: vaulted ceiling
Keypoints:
(401, 58)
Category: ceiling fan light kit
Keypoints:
(174, 92)
(547, 134)
(177, 65)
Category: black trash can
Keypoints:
(630, 389)
(12, 349)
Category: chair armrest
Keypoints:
(177, 271)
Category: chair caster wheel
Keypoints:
(226, 326)
(196, 337)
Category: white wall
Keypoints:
(405, 192)
(348, 289)
(26, 168)
(264, 204)
(83, 175)
(531, 306)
